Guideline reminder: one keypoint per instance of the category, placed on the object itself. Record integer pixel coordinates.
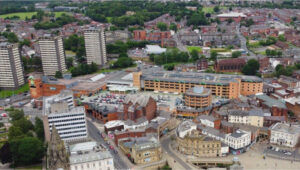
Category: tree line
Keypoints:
(25, 145)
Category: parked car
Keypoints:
(288, 153)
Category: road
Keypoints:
(243, 41)
(93, 133)
(165, 146)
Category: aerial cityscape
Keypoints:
(149, 84)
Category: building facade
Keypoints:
(11, 70)
(284, 134)
(227, 86)
(95, 46)
(197, 97)
(230, 65)
(238, 139)
(70, 121)
(52, 54)
(137, 106)
(198, 145)
(90, 156)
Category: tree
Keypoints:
(24, 42)
(58, 74)
(208, 15)
(216, 9)
(39, 128)
(236, 54)
(123, 55)
(5, 154)
(69, 62)
(213, 55)
(281, 37)
(229, 21)
(16, 114)
(24, 124)
(173, 27)
(123, 62)
(195, 55)
(169, 67)
(28, 150)
(14, 133)
(162, 26)
(251, 67)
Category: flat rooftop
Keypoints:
(192, 77)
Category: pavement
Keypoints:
(94, 133)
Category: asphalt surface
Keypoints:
(243, 41)
(165, 146)
(94, 133)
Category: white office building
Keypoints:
(238, 139)
(90, 156)
(11, 70)
(69, 121)
(52, 54)
(95, 46)
(285, 134)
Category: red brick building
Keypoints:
(236, 17)
(136, 106)
(230, 65)
(202, 64)
(263, 63)
(139, 35)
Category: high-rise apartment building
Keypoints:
(70, 121)
(52, 54)
(11, 70)
(95, 46)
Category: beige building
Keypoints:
(222, 85)
(193, 143)
(11, 70)
(142, 150)
(95, 46)
(251, 117)
(52, 54)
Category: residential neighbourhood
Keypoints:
(150, 85)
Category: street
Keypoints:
(165, 146)
(243, 41)
(93, 133)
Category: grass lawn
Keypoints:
(211, 9)
(71, 53)
(23, 15)
(109, 19)
(113, 69)
(208, 9)
(191, 48)
(220, 50)
(58, 14)
(8, 93)
(38, 166)
(253, 45)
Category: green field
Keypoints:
(8, 93)
(191, 48)
(211, 9)
(70, 53)
(220, 50)
(108, 19)
(23, 15)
